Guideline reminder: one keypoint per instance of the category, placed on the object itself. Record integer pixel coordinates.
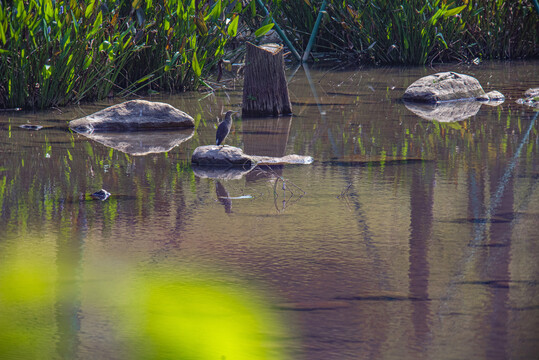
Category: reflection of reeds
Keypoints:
(55, 53)
(416, 32)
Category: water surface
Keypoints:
(407, 238)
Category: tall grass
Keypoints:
(415, 31)
(56, 52)
(502, 29)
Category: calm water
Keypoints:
(405, 239)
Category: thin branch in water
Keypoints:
(344, 196)
(345, 191)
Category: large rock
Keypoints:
(445, 86)
(134, 115)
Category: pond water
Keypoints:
(406, 238)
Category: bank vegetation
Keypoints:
(56, 52)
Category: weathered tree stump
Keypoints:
(265, 91)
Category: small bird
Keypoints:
(224, 128)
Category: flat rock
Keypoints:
(100, 195)
(31, 127)
(287, 159)
(492, 98)
(213, 155)
(444, 86)
(531, 98)
(230, 156)
(134, 115)
(533, 92)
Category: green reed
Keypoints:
(57, 52)
(502, 29)
(415, 31)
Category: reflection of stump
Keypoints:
(265, 90)
(266, 137)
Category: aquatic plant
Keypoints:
(501, 29)
(56, 52)
(416, 31)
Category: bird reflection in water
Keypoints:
(223, 196)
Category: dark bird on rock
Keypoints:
(224, 128)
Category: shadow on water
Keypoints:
(406, 238)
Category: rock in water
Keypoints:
(100, 195)
(213, 155)
(531, 98)
(134, 115)
(31, 127)
(445, 86)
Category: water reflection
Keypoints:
(445, 112)
(223, 173)
(223, 196)
(411, 239)
(266, 137)
(421, 218)
(142, 142)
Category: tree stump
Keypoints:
(265, 91)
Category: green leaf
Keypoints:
(215, 12)
(196, 66)
(49, 10)
(87, 62)
(145, 78)
(435, 17)
(98, 21)
(263, 30)
(20, 8)
(45, 30)
(46, 72)
(74, 23)
(96, 26)
(191, 7)
(454, 11)
(441, 37)
(2, 34)
(89, 9)
(253, 8)
(233, 26)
